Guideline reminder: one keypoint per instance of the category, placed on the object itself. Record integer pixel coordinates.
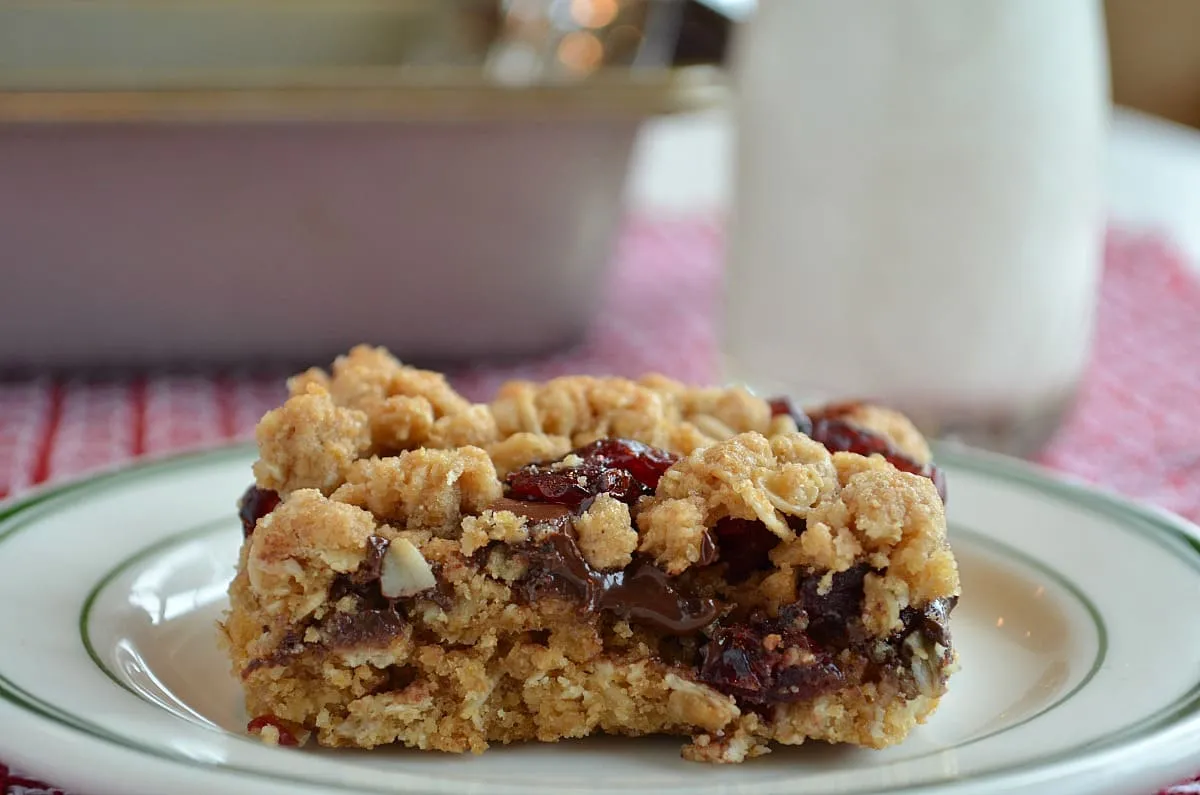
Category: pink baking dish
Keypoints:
(216, 181)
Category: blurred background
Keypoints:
(919, 202)
(155, 155)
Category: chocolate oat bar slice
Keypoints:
(586, 555)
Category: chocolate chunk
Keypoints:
(363, 582)
(372, 628)
(833, 615)
(254, 504)
(641, 593)
(441, 594)
(933, 620)
(372, 565)
(399, 677)
(744, 546)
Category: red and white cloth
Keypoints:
(1136, 427)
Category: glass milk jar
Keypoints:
(918, 207)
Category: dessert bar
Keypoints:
(582, 556)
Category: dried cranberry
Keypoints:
(735, 663)
(621, 467)
(254, 505)
(768, 661)
(262, 721)
(840, 436)
(644, 462)
(939, 480)
(781, 406)
(572, 485)
(744, 545)
(836, 411)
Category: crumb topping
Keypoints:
(423, 489)
(309, 443)
(673, 532)
(504, 526)
(524, 448)
(892, 425)
(605, 534)
(401, 592)
(742, 478)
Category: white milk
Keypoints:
(918, 209)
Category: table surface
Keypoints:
(683, 165)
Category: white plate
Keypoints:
(1078, 630)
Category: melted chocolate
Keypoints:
(557, 567)
(536, 512)
(378, 619)
(641, 592)
(645, 594)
